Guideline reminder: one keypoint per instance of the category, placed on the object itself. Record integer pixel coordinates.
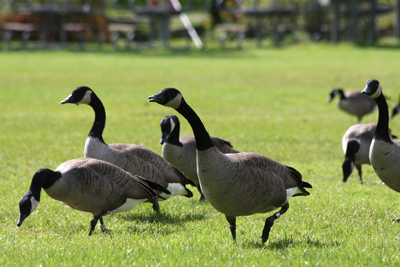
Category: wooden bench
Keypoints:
(119, 29)
(25, 29)
(236, 31)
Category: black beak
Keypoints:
(22, 217)
(158, 98)
(69, 99)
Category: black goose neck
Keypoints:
(43, 178)
(203, 140)
(341, 94)
(173, 137)
(99, 118)
(382, 128)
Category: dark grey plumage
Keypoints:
(353, 102)
(180, 151)
(237, 184)
(133, 158)
(384, 153)
(90, 185)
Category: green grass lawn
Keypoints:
(269, 101)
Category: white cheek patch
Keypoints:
(378, 92)
(172, 124)
(86, 98)
(176, 102)
(34, 204)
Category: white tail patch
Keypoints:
(292, 191)
(175, 189)
(130, 204)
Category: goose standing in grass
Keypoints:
(90, 185)
(133, 158)
(356, 143)
(353, 102)
(237, 184)
(181, 151)
(384, 153)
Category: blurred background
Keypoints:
(193, 24)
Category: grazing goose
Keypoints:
(237, 184)
(181, 151)
(90, 185)
(353, 102)
(384, 153)
(135, 159)
(355, 143)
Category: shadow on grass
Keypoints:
(288, 242)
(162, 217)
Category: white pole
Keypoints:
(188, 25)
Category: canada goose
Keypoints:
(90, 185)
(133, 158)
(181, 151)
(355, 143)
(384, 153)
(353, 102)
(237, 184)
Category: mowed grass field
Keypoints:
(269, 101)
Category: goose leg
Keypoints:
(156, 207)
(269, 222)
(360, 173)
(202, 197)
(93, 224)
(103, 226)
(232, 225)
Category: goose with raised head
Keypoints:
(136, 159)
(384, 153)
(353, 102)
(180, 151)
(90, 185)
(237, 184)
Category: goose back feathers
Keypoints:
(90, 185)
(353, 102)
(384, 153)
(133, 158)
(237, 184)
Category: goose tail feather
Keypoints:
(302, 185)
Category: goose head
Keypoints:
(335, 92)
(372, 89)
(43, 178)
(81, 95)
(169, 97)
(168, 124)
(27, 205)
